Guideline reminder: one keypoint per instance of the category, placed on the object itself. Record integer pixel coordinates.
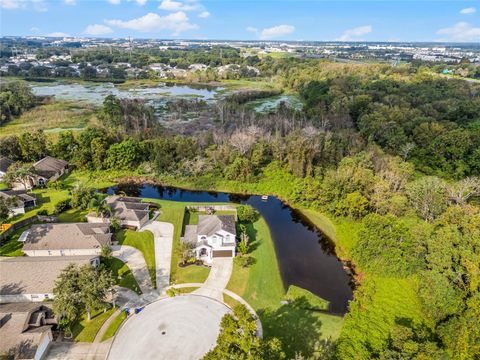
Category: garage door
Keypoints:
(222, 253)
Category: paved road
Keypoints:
(136, 262)
(218, 279)
(163, 236)
(182, 327)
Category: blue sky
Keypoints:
(457, 21)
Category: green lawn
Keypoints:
(12, 247)
(261, 286)
(122, 274)
(192, 274)
(73, 215)
(144, 242)
(85, 331)
(312, 301)
(114, 325)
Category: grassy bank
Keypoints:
(85, 331)
(114, 325)
(122, 274)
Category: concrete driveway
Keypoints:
(163, 238)
(218, 279)
(181, 327)
(136, 262)
(77, 351)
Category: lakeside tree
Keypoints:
(238, 339)
(15, 98)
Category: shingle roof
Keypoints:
(5, 164)
(127, 208)
(34, 274)
(49, 166)
(16, 341)
(22, 196)
(211, 224)
(67, 236)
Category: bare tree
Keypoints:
(461, 191)
(242, 141)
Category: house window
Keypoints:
(214, 239)
(49, 253)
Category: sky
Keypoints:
(381, 20)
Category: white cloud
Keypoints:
(275, 31)
(461, 32)
(204, 14)
(177, 22)
(70, 2)
(252, 29)
(37, 5)
(355, 33)
(172, 5)
(114, 2)
(467, 11)
(34, 29)
(97, 29)
(141, 2)
(58, 34)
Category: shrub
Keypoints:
(43, 212)
(244, 261)
(62, 206)
(246, 213)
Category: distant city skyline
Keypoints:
(395, 21)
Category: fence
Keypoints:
(17, 226)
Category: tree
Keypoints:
(238, 339)
(95, 286)
(18, 172)
(97, 203)
(4, 210)
(247, 214)
(244, 245)
(428, 197)
(354, 205)
(124, 155)
(15, 98)
(67, 302)
(82, 195)
(33, 145)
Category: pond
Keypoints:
(96, 92)
(306, 257)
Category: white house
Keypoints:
(213, 237)
(69, 239)
(33, 279)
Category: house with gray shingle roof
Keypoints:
(25, 330)
(32, 278)
(214, 236)
(130, 211)
(17, 201)
(49, 169)
(66, 239)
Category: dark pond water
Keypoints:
(306, 257)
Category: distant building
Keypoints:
(214, 236)
(25, 330)
(69, 239)
(129, 211)
(33, 279)
(18, 201)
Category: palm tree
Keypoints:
(98, 204)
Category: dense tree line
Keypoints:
(15, 98)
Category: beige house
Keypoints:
(33, 278)
(25, 330)
(49, 169)
(69, 239)
(129, 211)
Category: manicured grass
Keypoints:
(85, 331)
(230, 301)
(114, 325)
(144, 242)
(13, 247)
(312, 301)
(192, 274)
(73, 215)
(261, 286)
(122, 274)
(186, 290)
(3, 186)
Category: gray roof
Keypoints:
(17, 340)
(128, 208)
(22, 196)
(34, 274)
(67, 236)
(211, 224)
(49, 166)
(5, 164)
